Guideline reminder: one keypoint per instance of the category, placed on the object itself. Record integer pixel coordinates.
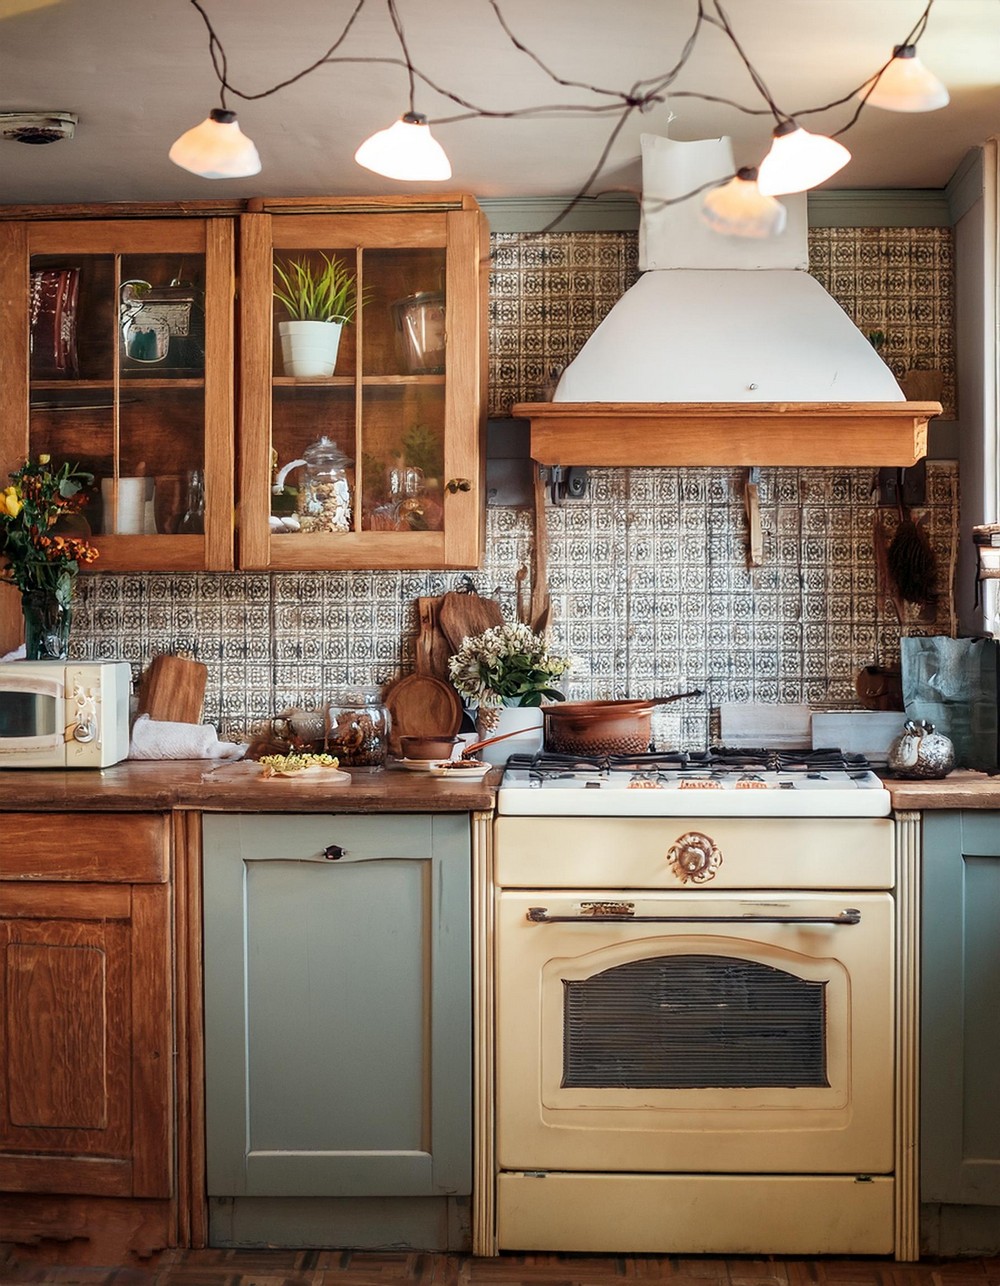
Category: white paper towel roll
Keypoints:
(133, 493)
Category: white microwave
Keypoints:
(64, 714)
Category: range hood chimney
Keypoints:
(728, 339)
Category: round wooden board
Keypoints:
(422, 706)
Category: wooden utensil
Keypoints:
(421, 706)
(465, 614)
(432, 648)
(173, 689)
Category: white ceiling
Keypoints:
(138, 74)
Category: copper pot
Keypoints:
(595, 728)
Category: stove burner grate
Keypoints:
(719, 761)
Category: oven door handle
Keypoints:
(540, 915)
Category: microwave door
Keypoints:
(31, 719)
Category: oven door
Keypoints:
(700, 1032)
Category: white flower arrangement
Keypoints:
(506, 665)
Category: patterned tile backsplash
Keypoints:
(648, 574)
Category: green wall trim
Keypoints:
(965, 187)
(850, 208)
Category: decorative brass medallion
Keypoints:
(695, 858)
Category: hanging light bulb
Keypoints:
(799, 160)
(216, 149)
(406, 150)
(906, 85)
(739, 209)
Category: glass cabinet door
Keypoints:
(370, 457)
(128, 328)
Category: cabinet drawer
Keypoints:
(100, 848)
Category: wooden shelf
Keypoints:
(874, 434)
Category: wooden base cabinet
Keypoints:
(960, 1034)
(338, 999)
(86, 1048)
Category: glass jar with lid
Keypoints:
(325, 499)
(357, 728)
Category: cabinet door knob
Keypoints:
(333, 851)
(458, 484)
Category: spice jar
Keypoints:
(357, 728)
(324, 500)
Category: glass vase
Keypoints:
(46, 625)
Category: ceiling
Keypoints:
(139, 74)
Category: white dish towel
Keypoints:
(160, 739)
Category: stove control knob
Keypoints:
(695, 858)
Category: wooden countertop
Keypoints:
(962, 788)
(198, 784)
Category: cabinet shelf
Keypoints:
(144, 381)
(368, 381)
(846, 434)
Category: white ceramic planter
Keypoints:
(309, 348)
(527, 720)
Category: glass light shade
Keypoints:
(216, 149)
(799, 160)
(406, 150)
(906, 85)
(738, 209)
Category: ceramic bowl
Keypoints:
(428, 747)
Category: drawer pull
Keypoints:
(333, 852)
(540, 915)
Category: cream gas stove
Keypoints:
(713, 783)
(704, 1007)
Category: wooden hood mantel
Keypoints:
(844, 434)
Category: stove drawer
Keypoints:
(695, 853)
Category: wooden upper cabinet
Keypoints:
(400, 479)
(117, 354)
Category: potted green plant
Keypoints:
(320, 299)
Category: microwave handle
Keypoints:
(540, 915)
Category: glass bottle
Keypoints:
(193, 521)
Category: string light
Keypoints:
(905, 85)
(799, 160)
(739, 208)
(818, 155)
(216, 149)
(406, 150)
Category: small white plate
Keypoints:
(418, 765)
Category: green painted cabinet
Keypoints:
(337, 961)
(960, 1032)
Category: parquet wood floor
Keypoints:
(356, 1268)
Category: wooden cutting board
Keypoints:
(173, 689)
(421, 706)
(461, 615)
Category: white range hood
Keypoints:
(726, 351)
(721, 319)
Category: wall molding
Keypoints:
(619, 212)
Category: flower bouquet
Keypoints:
(507, 665)
(41, 560)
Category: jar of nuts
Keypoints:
(325, 501)
(357, 728)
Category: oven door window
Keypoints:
(694, 1022)
(754, 1043)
